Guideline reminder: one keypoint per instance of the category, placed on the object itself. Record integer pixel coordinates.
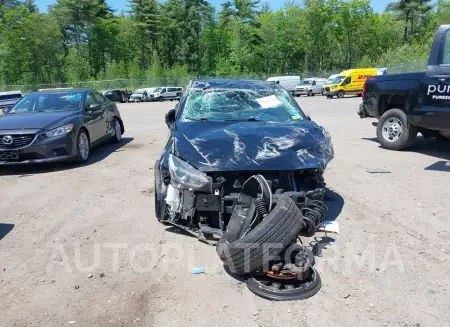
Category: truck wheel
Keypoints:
(310, 93)
(340, 94)
(269, 238)
(394, 132)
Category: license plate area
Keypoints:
(9, 155)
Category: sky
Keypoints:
(378, 5)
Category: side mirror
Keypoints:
(95, 106)
(170, 118)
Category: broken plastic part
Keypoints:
(186, 175)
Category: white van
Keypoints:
(166, 93)
(8, 99)
(287, 82)
(309, 87)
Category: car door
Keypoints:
(435, 90)
(163, 93)
(94, 119)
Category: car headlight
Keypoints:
(63, 130)
(186, 175)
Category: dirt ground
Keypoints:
(80, 245)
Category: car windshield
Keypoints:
(48, 102)
(330, 80)
(158, 89)
(140, 91)
(108, 92)
(306, 83)
(274, 105)
(151, 90)
(337, 80)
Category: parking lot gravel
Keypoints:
(80, 245)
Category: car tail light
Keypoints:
(365, 86)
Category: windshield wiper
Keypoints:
(198, 119)
(249, 119)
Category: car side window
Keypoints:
(99, 98)
(89, 100)
(446, 54)
(163, 91)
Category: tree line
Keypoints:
(83, 40)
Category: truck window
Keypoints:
(446, 57)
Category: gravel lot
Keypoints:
(85, 248)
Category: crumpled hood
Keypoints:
(40, 120)
(260, 146)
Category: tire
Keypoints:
(310, 93)
(117, 137)
(82, 151)
(340, 94)
(160, 99)
(329, 96)
(391, 121)
(280, 228)
(160, 204)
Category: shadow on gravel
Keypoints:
(430, 147)
(335, 204)
(5, 229)
(98, 154)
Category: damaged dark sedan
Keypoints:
(242, 163)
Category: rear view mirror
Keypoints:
(95, 106)
(170, 118)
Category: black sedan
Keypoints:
(117, 96)
(57, 126)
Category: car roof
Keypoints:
(56, 91)
(229, 83)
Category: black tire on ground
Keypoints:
(340, 94)
(407, 137)
(310, 93)
(161, 99)
(269, 238)
(79, 158)
(329, 96)
(115, 138)
(160, 204)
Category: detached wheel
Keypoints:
(159, 194)
(269, 238)
(83, 147)
(278, 290)
(394, 132)
(340, 94)
(117, 137)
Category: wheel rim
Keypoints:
(83, 145)
(392, 129)
(118, 130)
(288, 290)
(340, 95)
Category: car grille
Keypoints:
(301, 90)
(18, 141)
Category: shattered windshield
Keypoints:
(274, 105)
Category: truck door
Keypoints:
(435, 91)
